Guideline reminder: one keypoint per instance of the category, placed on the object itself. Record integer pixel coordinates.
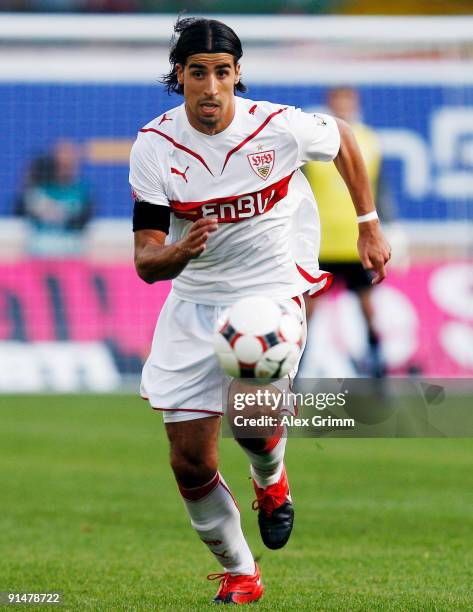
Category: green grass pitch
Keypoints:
(88, 507)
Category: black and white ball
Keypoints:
(258, 338)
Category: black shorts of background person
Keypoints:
(358, 281)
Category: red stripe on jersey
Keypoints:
(234, 208)
(179, 146)
(251, 136)
(327, 276)
(325, 288)
(313, 279)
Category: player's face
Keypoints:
(208, 80)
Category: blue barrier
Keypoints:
(424, 129)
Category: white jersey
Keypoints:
(248, 177)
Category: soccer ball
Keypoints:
(258, 338)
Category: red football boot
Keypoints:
(276, 513)
(240, 589)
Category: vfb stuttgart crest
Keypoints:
(262, 163)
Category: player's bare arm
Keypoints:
(155, 261)
(373, 248)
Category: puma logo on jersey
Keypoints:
(179, 173)
(164, 118)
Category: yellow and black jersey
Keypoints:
(337, 215)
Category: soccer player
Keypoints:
(218, 199)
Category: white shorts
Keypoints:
(182, 376)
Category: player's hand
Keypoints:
(373, 249)
(195, 243)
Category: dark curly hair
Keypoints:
(197, 35)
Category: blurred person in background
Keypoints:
(338, 249)
(56, 203)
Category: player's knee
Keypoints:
(257, 445)
(192, 471)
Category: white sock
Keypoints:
(266, 466)
(215, 516)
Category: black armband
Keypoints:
(151, 216)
